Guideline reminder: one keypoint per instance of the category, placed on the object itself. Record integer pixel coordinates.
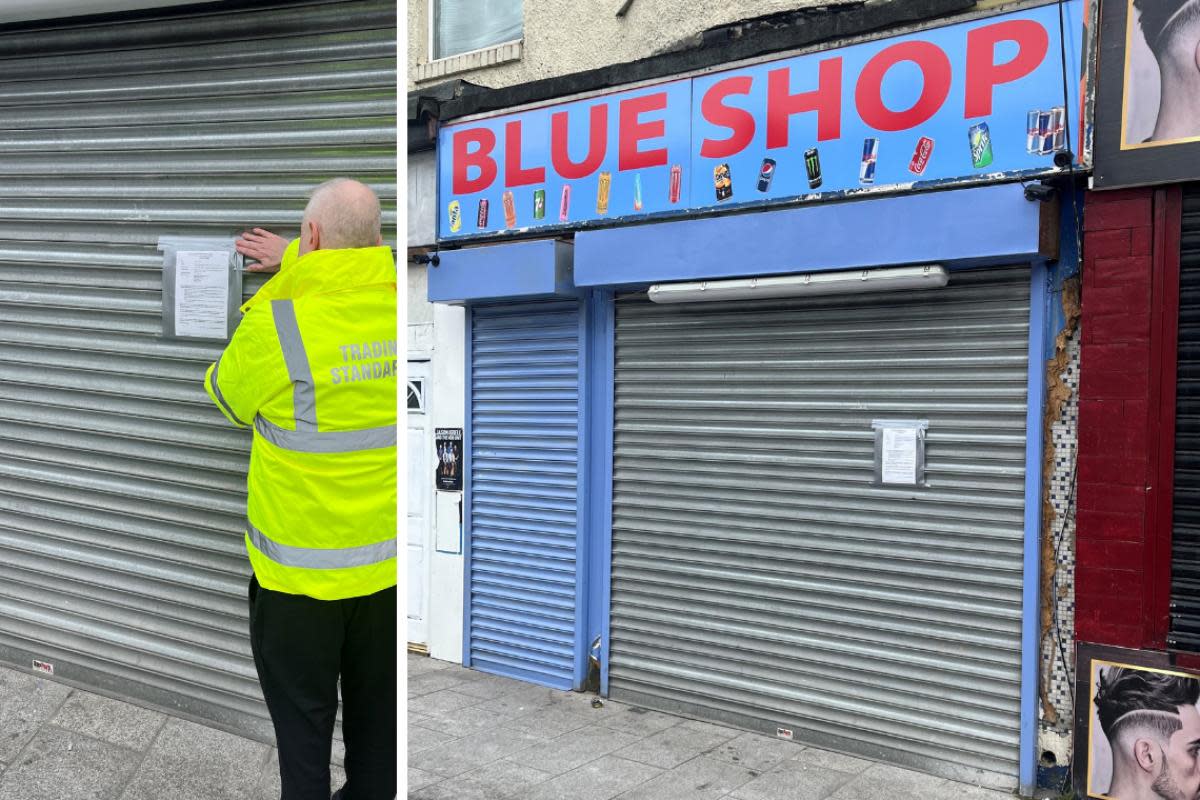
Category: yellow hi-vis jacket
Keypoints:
(312, 367)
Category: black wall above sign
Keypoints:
(1132, 163)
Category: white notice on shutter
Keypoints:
(202, 293)
(899, 456)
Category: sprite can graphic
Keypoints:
(539, 204)
(981, 145)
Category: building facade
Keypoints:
(715, 462)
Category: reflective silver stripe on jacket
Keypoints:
(304, 395)
(326, 441)
(216, 387)
(320, 558)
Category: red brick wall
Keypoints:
(1116, 404)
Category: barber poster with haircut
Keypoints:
(1141, 726)
(1147, 121)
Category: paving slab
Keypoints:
(464, 721)
(191, 762)
(548, 722)
(422, 738)
(501, 780)
(602, 779)
(109, 720)
(436, 681)
(26, 701)
(883, 780)
(418, 779)
(463, 755)
(669, 748)
(826, 759)
(65, 765)
(440, 702)
(792, 780)
(631, 719)
(574, 749)
(756, 751)
(701, 778)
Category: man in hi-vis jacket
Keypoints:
(312, 369)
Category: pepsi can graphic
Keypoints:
(866, 170)
(981, 145)
(765, 173)
(812, 165)
(637, 192)
(539, 204)
(481, 220)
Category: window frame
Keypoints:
(431, 40)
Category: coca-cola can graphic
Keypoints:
(921, 155)
(676, 182)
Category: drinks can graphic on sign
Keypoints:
(602, 191)
(981, 145)
(812, 165)
(637, 192)
(510, 210)
(564, 205)
(455, 212)
(723, 181)
(539, 204)
(866, 169)
(921, 155)
(482, 217)
(765, 173)
(676, 183)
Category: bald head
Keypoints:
(341, 214)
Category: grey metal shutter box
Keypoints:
(759, 578)
(524, 490)
(122, 491)
(1185, 541)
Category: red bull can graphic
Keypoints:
(539, 204)
(921, 155)
(564, 205)
(980, 138)
(637, 192)
(510, 210)
(812, 166)
(455, 212)
(1046, 131)
(765, 173)
(866, 169)
(1058, 126)
(482, 217)
(676, 183)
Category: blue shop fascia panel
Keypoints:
(540, 321)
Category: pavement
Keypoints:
(60, 743)
(473, 736)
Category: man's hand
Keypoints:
(264, 247)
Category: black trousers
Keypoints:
(301, 646)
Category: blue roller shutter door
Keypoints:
(523, 499)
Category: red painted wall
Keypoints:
(1117, 556)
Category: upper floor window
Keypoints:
(460, 26)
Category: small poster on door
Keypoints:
(900, 451)
(449, 471)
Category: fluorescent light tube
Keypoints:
(802, 285)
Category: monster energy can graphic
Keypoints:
(812, 166)
(981, 145)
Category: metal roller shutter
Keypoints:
(759, 578)
(1185, 542)
(122, 491)
(524, 488)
